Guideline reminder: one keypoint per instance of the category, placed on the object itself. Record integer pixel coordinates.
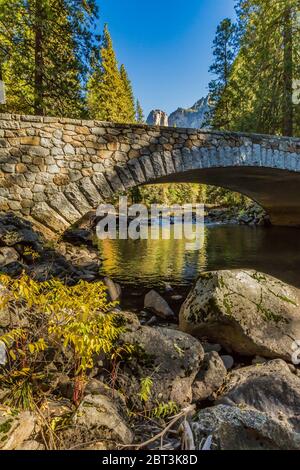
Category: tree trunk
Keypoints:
(39, 61)
(288, 110)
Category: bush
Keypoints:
(77, 320)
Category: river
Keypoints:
(143, 264)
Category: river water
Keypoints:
(143, 264)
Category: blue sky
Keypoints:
(166, 46)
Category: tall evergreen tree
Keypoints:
(44, 46)
(224, 52)
(110, 96)
(139, 114)
(129, 107)
(259, 94)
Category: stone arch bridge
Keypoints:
(53, 171)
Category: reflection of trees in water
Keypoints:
(274, 250)
(151, 259)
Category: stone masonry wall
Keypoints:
(53, 171)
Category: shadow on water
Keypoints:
(272, 250)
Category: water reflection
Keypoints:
(273, 250)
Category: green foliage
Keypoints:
(110, 96)
(224, 52)
(258, 96)
(223, 197)
(45, 48)
(139, 114)
(146, 386)
(170, 194)
(128, 106)
(164, 410)
(77, 319)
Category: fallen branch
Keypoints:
(183, 414)
(187, 440)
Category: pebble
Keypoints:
(176, 297)
(228, 361)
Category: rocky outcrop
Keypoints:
(23, 249)
(247, 312)
(157, 118)
(194, 117)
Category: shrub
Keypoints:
(78, 319)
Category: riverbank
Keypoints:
(157, 365)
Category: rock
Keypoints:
(208, 347)
(3, 354)
(228, 361)
(10, 236)
(56, 408)
(14, 269)
(151, 321)
(270, 388)
(157, 118)
(31, 445)
(154, 302)
(259, 360)
(245, 311)
(114, 289)
(8, 255)
(15, 428)
(78, 236)
(176, 297)
(234, 428)
(170, 358)
(168, 287)
(97, 418)
(210, 377)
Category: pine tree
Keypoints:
(107, 99)
(259, 94)
(139, 114)
(43, 53)
(128, 107)
(224, 53)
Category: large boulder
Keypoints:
(245, 311)
(258, 408)
(235, 428)
(97, 419)
(170, 358)
(271, 388)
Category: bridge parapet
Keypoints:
(54, 170)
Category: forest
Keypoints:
(53, 63)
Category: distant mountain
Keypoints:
(193, 117)
(157, 118)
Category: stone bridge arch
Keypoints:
(53, 171)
